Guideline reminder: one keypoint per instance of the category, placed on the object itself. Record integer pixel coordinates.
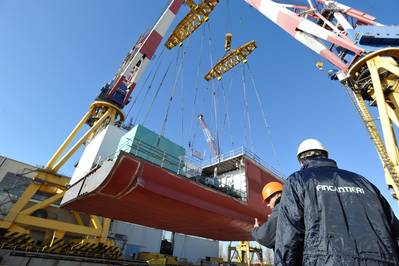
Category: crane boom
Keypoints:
(118, 91)
(365, 54)
(307, 25)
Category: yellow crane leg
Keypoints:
(375, 78)
(105, 229)
(21, 219)
(42, 204)
(67, 141)
(83, 139)
(17, 207)
(110, 111)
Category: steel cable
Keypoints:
(267, 126)
(213, 91)
(246, 110)
(150, 86)
(180, 67)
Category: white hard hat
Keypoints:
(309, 145)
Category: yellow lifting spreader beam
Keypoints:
(198, 14)
(230, 60)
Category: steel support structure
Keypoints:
(21, 218)
(232, 59)
(91, 232)
(244, 253)
(191, 22)
(375, 79)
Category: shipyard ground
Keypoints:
(24, 258)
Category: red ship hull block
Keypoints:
(137, 191)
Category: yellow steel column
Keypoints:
(247, 253)
(72, 150)
(57, 225)
(386, 125)
(17, 207)
(42, 204)
(67, 141)
(77, 217)
(106, 225)
(56, 235)
(95, 222)
(391, 81)
(386, 64)
(112, 116)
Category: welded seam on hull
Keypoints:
(133, 183)
(107, 181)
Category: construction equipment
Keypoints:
(365, 55)
(320, 65)
(231, 60)
(244, 253)
(212, 142)
(364, 52)
(192, 21)
(153, 258)
(89, 232)
(227, 42)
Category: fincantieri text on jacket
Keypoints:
(356, 190)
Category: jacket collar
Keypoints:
(319, 162)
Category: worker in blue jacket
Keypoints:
(329, 216)
(266, 233)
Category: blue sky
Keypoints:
(55, 56)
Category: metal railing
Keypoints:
(240, 152)
(188, 164)
(140, 148)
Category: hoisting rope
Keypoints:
(197, 78)
(159, 61)
(262, 109)
(180, 67)
(246, 110)
(191, 145)
(229, 90)
(157, 92)
(138, 94)
(226, 117)
(228, 15)
(182, 100)
(182, 106)
(213, 90)
(226, 108)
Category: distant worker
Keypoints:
(330, 216)
(266, 233)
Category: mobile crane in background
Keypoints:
(210, 140)
(363, 52)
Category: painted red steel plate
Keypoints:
(137, 191)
